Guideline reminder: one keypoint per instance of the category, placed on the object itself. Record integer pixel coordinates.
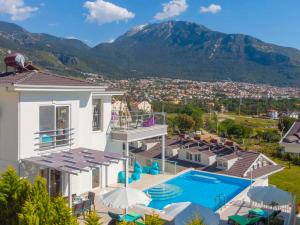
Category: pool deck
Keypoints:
(238, 205)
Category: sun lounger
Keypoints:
(241, 220)
(130, 217)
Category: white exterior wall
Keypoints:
(205, 159)
(80, 119)
(19, 122)
(83, 182)
(8, 129)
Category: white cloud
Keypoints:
(16, 9)
(101, 12)
(212, 8)
(172, 9)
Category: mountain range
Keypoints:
(174, 49)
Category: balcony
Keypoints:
(136, 126)
(53, 139)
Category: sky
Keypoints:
(96, 21)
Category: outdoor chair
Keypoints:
(242, 220)
(91, 197)
(86, 206)
(78, 209)
(271, 216)
(149, 122)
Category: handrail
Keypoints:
(51, 139)
(48, 131)
(124, 122)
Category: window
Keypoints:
(97, 114)
(189, 156)
(54, 124)
(198, 158)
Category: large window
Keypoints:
(54, 126)
(97, 106)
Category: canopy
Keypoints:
(183, 212)
(269, 195)
(124, 198)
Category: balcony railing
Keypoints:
(136, 120)
(51, 139)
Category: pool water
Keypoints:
(206, 189)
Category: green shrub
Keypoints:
(196, 221)
(93, 219)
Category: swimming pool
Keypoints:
(206, 189)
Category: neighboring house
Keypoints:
(143, 106)
(60, 128)
(291, 140)
(273, 114)
(294, 115)
(214, 157)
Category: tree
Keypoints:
(63, 214)
(14, 192)
(22, 203)
(185, 122)
(196, 113)
(285, 123)
(93, 219)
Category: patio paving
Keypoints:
(146, 181)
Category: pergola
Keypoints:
(74, 162)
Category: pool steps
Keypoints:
(164, 191)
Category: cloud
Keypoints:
(101, 12)
(16, 9)
(172, 9)
(212, 8)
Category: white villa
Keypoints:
(62, 128)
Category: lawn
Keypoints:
(288, 179)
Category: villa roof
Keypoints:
(76, 160)
(239, 168)
(42, 78)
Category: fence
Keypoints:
(170, 166)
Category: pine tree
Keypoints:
(93, 219)
(13, 194)
(63, 214)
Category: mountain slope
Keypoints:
(175, 49)
(50, 52)
(188, 50)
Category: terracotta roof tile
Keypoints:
(42, 78)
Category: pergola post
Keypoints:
(69, 190)
(126, 163)
(163, 143)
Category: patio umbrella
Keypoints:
(269, 195)
(182, 212)
(124, 198)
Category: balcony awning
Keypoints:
(75, 161)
